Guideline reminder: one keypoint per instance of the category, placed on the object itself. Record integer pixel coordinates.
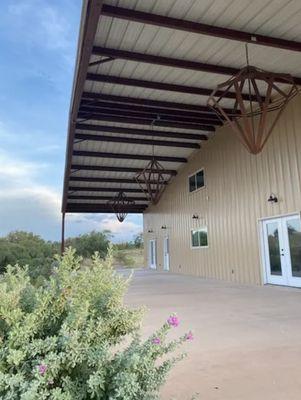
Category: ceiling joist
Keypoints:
(117, 80)
(145, 109)
(106, 180)
(125, 156)
(86, 116)
(148, 102)
(148, 142)
(197, 27)
(140, 132)
(107, 168)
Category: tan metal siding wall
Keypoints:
(238, 185)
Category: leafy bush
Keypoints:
(86, 245)
(74, 339)
(27, 249)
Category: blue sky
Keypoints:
(38, 40)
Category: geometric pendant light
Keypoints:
(152, 180)
(119, 205)
(248, 119)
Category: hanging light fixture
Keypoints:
(248, 118)
(120, 205)
(152, 179)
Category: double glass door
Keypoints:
(282, 250)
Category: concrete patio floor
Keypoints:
(247, 342)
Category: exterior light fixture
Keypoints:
(248, 117)
(152, 178)
(163, 227)
(195, 216)
(273, 198)
(120, 204)
(150, 231)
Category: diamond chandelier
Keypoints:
(248, 118)
(152, 179)
(120, 204)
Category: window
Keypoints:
(196, 181)
(199, 237)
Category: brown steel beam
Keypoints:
(137, 121)
(140, 132)
(149, 116)
(144, 109)
(103, 189)
(91, 13)
(124, 156)
(105, 168)
(150, 103)
(171, 62)
(117, 80)
(95, 208)
(147, 142)
(83, 197)
(200, 28)
(108, 180)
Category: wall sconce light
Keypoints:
(163, 227)
(273, 198)
(150, 231)
(195, 216)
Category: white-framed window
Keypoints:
(196, 181)
(199, 237)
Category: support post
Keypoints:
(63, 234)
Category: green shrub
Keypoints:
(74, 339)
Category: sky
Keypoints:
(38, 40)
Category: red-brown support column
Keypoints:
(63, 234)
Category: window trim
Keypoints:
(194, 174)
(198, 229)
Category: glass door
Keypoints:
(292, 239)
(152, 254)
(282, 250)
(166, 253)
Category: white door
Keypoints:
(166, 254)
(152, 254)
(282, 250)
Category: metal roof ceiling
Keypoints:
(138, 60)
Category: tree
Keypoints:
(86, 245)
(138, 240)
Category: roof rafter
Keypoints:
(85, 116)
(149, 116)
(117, 80)
(103, 189)
(149, 102)
(126, 156)
(85, 197)
(100, 208)
(145, 109)
(148, 142)
(108, 180)
(200, 28)
(140, 132)
(107, 168)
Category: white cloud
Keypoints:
(26, 204)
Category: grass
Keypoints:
(128, 258)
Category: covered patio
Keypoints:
(247, 338)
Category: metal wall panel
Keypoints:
(238, 185)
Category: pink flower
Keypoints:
(173, 320)
(42, 369)
(156, 340)
(189, 336)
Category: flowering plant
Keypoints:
(74, 339)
